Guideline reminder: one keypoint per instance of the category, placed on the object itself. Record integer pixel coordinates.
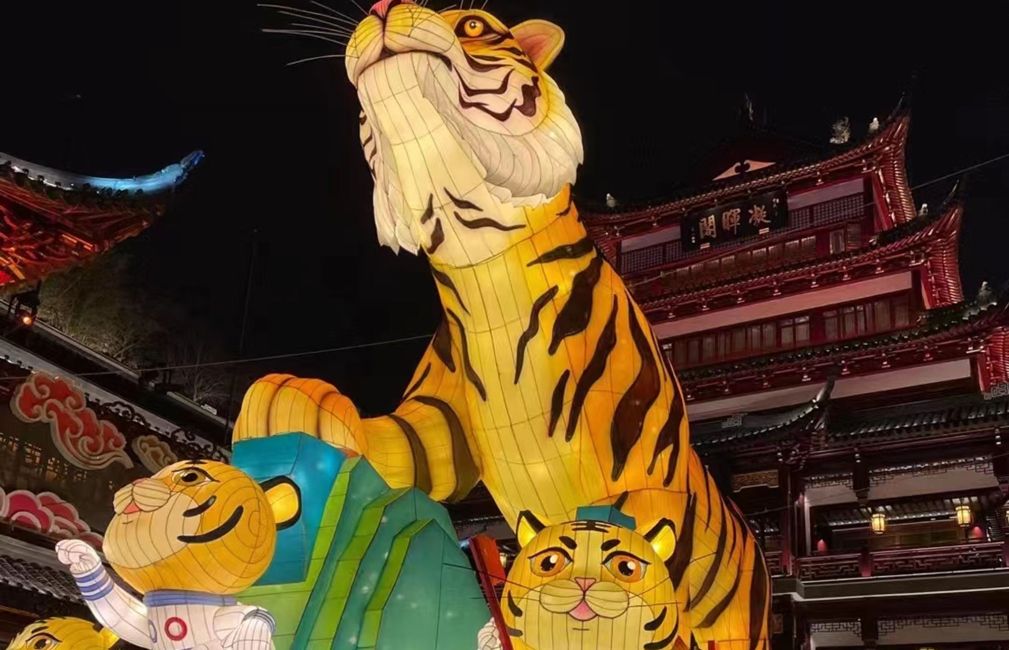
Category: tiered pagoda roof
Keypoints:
(51, 219)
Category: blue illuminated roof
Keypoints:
(159, 182)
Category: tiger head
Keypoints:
(198, 526)
(63, 634)
(591, 582)
(459, 116)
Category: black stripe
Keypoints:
(429, 211)
(513, 632)
(629, 419)
(216, 533)
(483, 67)
(594, 370)
(515, 609)
(577, 311)
(669, 436)
(557, 402)
(717, 611)
(445, 281)
(573, 251)
(532, 330)
(759, 599)
(442, 345)
(716, 564)
(486, 222)
(471, 373)
(651, 626)
(571, 204)
(609, 544)
(707, 495)
(662, 643)
(437, 238)
(567, 541)
(413, 389)
(462, 204)
(680, 560)
(467, 474)
(199, 510)
(421, 470)
(500, 90)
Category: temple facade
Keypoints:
(840, 385)
(75, 426)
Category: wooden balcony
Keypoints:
(902, 562)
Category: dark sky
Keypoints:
(120, 88)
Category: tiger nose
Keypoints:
(383, 7)
(585, 583)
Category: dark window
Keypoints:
(836, 242)
(853, 235)
(830, 325)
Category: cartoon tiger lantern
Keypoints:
(543, 380)
(187, 539)
(64, 634)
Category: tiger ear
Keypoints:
(541, 40)
(285, 501)
(662, 537)
(109, 638)
(527, 528)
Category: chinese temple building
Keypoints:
(839, 386)
(75, 426)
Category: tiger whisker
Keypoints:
(303, 14)
(317, 58)
(294, 32)
(363, 11)
(336, 14)
(323, 30)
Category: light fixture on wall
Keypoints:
(879, 522)
(964, 516)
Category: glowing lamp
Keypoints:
(964, 517)
(27, 320)
(879, 523)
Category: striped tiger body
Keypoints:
(544, 380)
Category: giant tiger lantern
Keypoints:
(544, 380)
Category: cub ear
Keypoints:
(662, 537)
(527, 528)
(109, 638)
(285, 501)
(541, 40)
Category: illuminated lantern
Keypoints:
(544, 380)
(64, 634)
(879, 523)
(187, 539)
(964, 516)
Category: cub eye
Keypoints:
(191, 476)
(473, 27)
(42, 643)
(626, 567)
(550, 562)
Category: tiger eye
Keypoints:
(474, 28)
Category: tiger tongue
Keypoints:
(583, 612)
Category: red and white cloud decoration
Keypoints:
(82, 438)
(46, 513)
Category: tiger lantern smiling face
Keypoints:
(592, 583)
(196, 526)
(63, 634)
(454, 102)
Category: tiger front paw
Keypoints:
(280, 404)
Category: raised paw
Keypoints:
(80, 557)
(280, 404)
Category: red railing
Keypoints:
(910, 561)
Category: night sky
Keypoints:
(120, 88)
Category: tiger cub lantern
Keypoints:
(593, 583)
(64, 634)
(187, 539)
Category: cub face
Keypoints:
(591, 584)
(198, 526)
(63, 634)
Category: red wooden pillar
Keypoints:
(787, 521)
